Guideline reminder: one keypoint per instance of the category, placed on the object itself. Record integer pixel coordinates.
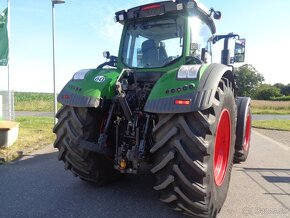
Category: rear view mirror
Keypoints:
(240, 46)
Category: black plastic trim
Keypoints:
(166, 105)
(71, 99)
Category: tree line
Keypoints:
(251, 83)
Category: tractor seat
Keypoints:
(150, 53)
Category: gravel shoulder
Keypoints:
(279, 136)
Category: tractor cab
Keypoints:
(166, 33)
(170, 34)
(153, 43)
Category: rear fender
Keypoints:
(201, 96)
(243, 106)
(97, 85)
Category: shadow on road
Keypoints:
(274, 181)
(276, 178)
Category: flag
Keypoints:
(4, 48)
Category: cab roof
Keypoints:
(185, 7)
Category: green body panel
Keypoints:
(200, 97)
(169, 82)
(91, 88)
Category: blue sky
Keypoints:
(84, 29)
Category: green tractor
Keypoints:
(160, 106)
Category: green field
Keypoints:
(27, 101)
(283, 125)
(270, 107)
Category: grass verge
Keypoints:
(283, 125)
(34, 133)
(28, 101)
(270, 107)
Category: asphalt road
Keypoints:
(37, 186)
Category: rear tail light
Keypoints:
(66, 97)
(182, 102)
(149, 7)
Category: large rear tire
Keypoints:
(194, 156)
(85, 124)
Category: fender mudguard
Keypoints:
(243, 107)
(97, 84)
(201, 97)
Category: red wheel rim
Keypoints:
(247, 133)
(222, 147)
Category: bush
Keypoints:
(282, 98)
(279, 85)
(266, 92)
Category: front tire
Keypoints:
(194, 156)
(85, 124)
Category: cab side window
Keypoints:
(201, 40)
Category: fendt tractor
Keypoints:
(160, 106)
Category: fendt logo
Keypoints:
(99, 79)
